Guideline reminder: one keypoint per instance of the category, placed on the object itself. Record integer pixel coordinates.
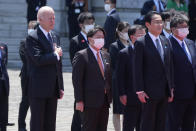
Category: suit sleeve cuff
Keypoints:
(139, 92)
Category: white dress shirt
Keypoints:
(110, 11)
(166, 34)
(131, 44)
(46, 35)
(84, 35)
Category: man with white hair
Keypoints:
(45, 72)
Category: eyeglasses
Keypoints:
(182, 27)
(157, 22)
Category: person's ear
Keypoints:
(90, 40)
(80, 26)
(173, 30)
(147, 24)
(131, 37)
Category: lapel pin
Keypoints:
(83, 41)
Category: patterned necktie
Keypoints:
(50, 40)
(100, 64)
(159, 48)
(185, 51)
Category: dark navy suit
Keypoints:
(183, 108)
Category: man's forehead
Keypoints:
(182, 24)
(89, 21)
(139, 31)
(98, 34)
(156, 17)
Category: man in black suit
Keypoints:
(111, 22)
(45, 72)
(33, 7)
(153, 5)
(92, 83)
(166, 17)
(128, 97)
(153, 77)
(75, 7)
(24, 104)
(183, 108)
(4, 87)
(86, 22)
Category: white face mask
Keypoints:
(81, 3)
(167, 25)
(88, 27)
(107, 7)
(124, 36)
(183, 32)
(98, 43)
(30, 30)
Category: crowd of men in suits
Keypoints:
(148, 71)
(152, 78)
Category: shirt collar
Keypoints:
(131, 44)
(109, 13)
(44, 31)
(155, 1)
(166, 34)
(179, 41)
(93, 50)
(153, 37)
(84, 35)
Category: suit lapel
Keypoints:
(191, 49)
(93, 60)
(179, 49)
(3, 55)
(82, 42)
(114, 11)
(54, 38)
(44, 41)
(120, 45)
(165, 46)
(151, 45)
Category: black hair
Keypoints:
(178, 19)
(165, 15)
(93, 31)
(149, 15)
(85, 16)
(132, 30)
(121, 26)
